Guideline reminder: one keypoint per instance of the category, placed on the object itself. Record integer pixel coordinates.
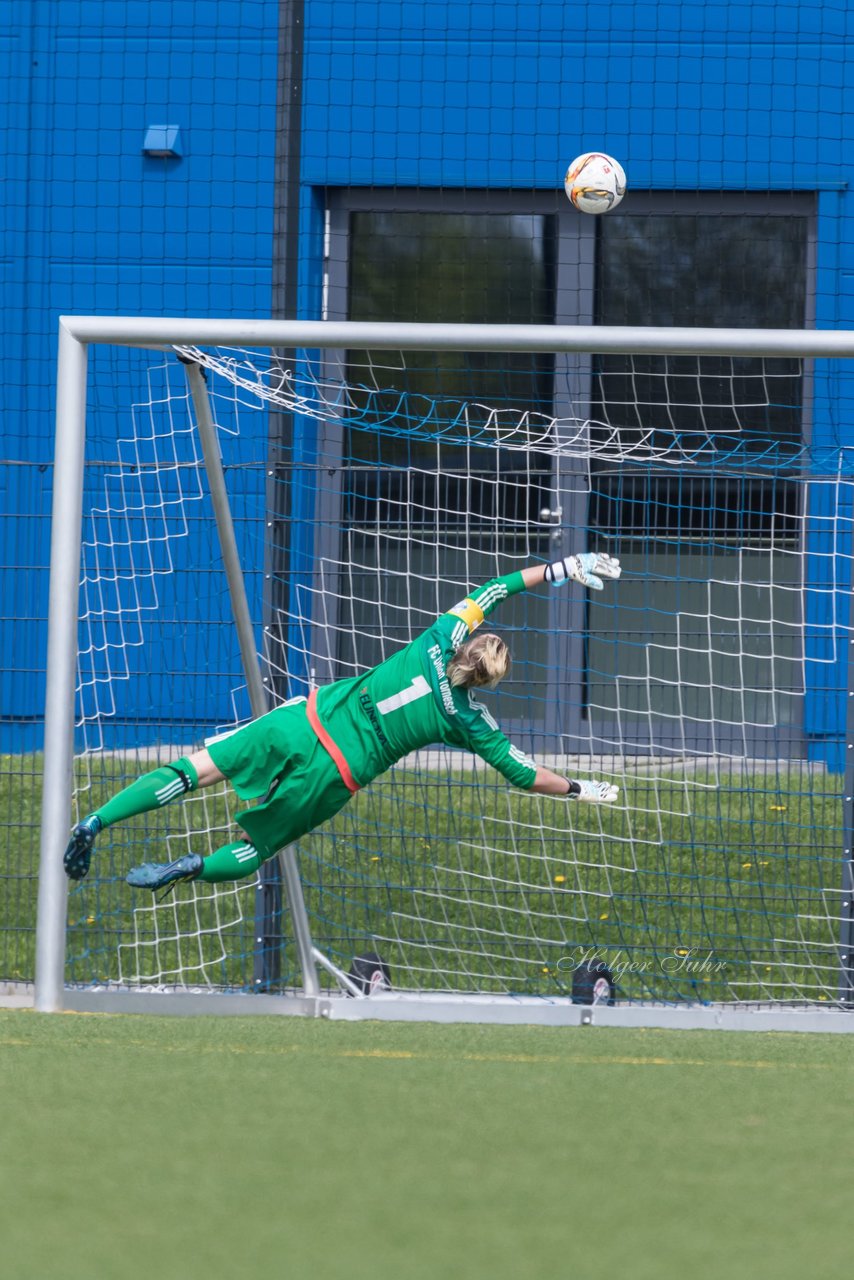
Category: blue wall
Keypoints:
(90, 225)
(689, 95)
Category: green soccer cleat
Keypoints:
(78, 853)
(157, 875)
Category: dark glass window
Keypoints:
(707, 642)
(458, 268)
(419, 511)
(718, 270)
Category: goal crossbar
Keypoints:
(158, 333)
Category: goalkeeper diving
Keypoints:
(302, 762)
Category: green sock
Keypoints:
(151, 791)
(231, 862)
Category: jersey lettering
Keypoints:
(434, 653)
(371, 712)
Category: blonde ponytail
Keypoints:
(480, 663)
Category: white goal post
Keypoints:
(335, 482)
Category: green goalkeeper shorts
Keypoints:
(278, 760)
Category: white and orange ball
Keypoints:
(595, 183)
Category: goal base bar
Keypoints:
(511, 1010)
(446, 1008)
(188, 1003)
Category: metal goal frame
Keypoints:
(76, 334)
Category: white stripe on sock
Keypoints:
(167, 793)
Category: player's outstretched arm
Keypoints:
(588, 568)
(547, 783)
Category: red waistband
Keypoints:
(325, 741)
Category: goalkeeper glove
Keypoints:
(594, 792)
(588, 568)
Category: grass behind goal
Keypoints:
(462, 885)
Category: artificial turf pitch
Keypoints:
(162, 1147)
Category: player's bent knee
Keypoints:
(205, 769)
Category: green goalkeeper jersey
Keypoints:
(408, 702)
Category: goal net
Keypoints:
(368, 489)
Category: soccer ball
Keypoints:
(595, 183)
